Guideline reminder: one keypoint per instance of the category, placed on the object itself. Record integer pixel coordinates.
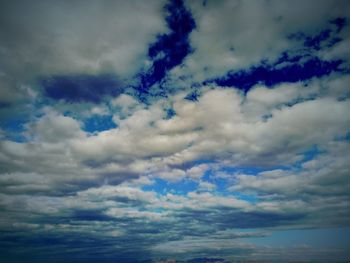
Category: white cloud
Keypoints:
(99, 110)
(338, 87)
(106, 37)
(54, 127)
(132, 213)
(196, 172)
(141, 181)
(121, 191)
(173, 175)
(198, 244)
(233, 35)
(275, 181)
(206, 186)
(124, 101)
(205, 200)
(222, 125)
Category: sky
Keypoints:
(174, 131)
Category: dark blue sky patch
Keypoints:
(316, 41)
(193, 95)
(81, 88)
(344, 138)
(90, 215)
(99, 123)
(290, 67)
(339, 22)
(270, 75)
(4, 104)
(170, 49)
(322, 39)
(170, 113)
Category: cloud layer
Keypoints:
(189, 131)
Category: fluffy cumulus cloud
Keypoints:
(174, 131)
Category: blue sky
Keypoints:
(186, 131)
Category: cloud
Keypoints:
(170, 49)
(197, 131)
(129, 193)
(221, 125)
(196, 172)
(82, 46)
(53, 127)
(172, 175)
(249, 33)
